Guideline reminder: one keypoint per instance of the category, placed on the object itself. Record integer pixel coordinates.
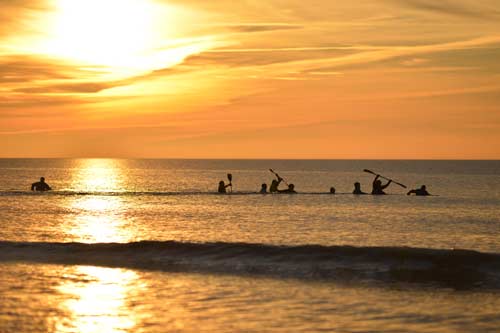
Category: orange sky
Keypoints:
(250, 79)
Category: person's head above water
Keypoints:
(423, 187)
(291, 187)
(332, 190)
(264, 186)
(357, 185)
(377, 183)
(221, 183)
(42, 179)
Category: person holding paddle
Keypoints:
(378, 188)
(223, 186)
(275, 183)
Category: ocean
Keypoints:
(150, 246)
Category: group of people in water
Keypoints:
(272, 189)
(377, 187)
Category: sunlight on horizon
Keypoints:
(98, 175)
(99, 218)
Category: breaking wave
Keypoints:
(459, 269)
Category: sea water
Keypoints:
(149, 246)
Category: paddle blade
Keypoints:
(369, 171)
(230, 177)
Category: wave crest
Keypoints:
(459, 269)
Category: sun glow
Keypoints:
(118, 38)
(111, 32)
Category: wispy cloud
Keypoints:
(84, 87)
(465, 9)
(27, 68)
(302, 59)
(256, 27)
(217, 69)
(426, 94)
(15, 106)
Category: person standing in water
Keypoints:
(276, 182)
(223, 186)
(378, 188)
(41, 186)
(422, 191)
(263, 189)
(357, 189)
(274, 185)
(290, 189)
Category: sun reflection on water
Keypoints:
(99, 225)
(99, 216)
(98, 300)
(99, 175)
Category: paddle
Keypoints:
(230, 178)
(376, 174)
(284, 181)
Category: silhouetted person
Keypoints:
(290, 189)
(419, 191)
(378, 188)
(332, 190)
(357, 189)
(263, 189)
(40, 186)
(222, 187)
(274, 185)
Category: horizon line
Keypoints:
(254, 159)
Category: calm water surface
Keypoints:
(47, 285)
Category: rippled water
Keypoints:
(48, 286)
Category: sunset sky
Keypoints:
(250, 79)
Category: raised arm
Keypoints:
(388, 183)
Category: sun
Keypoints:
(116, 33)
(112, 41)
(117, 39)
